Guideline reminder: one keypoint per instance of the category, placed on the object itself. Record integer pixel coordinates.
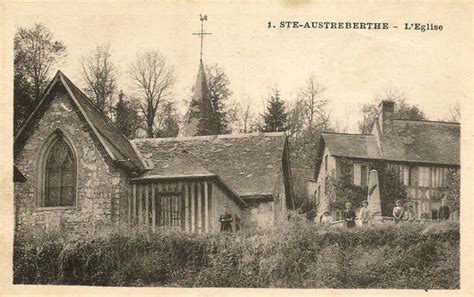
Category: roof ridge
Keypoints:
(429, 121)
(72, 87)
(211, 137)
(93, 104)
(343, 133)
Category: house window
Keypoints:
(363, 175)
(404, 175)
(360, 175)
(405, 172)
(60, 176)
(413, 176)
(326, 163)
(438, 177)
(424, 176)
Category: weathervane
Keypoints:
(202, 33)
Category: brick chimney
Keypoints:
(386, 111)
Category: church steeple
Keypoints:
(199, 120)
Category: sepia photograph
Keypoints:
(194, 144)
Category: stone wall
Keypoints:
(318, 187)
(258, 215)
(100, 185)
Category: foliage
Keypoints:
(297, 254)
(35, 52)
(391, 188)
(22, 98)
(99, 73)
(308, 208)
(455, 113)
(453, 188)
(126, 116)
(403, 110)
(219, 93)
(167, 120)
(307, 118)
(341, 189)
(275, 117)
(301, 200)
(153, 79)
(242, 118)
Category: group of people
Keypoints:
(399, 213)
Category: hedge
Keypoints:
(297, 254)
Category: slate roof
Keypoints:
(177, 164)
(424, 142)
(352, 145)
(413, 141)
(115, 143)
(249, 164)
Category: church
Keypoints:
(76, 172)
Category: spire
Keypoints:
(198, 119)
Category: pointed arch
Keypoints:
(57, 171)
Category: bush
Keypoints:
(297, 254)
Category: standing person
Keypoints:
(364, 214)
(443, 211)
(410, 214)
(349, 216)
(398, 211)
(226, 220)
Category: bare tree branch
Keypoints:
(99, 73)
(154, 79)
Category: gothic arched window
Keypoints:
(60, 176)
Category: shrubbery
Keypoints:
(296, 254)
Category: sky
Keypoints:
(433, 67)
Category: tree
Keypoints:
(275, 118)
(22, 98)
(308, 117)
(391, 187)
(35, 52)
(314, 105)
(98, 72)
(168, 120)
(453, 189)
(154, 80)
(242, 118)
(218, 84)
(403, 110)
(455, 113)
(126, 116)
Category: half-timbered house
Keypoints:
(420, 152)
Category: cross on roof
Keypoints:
(202, 33)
